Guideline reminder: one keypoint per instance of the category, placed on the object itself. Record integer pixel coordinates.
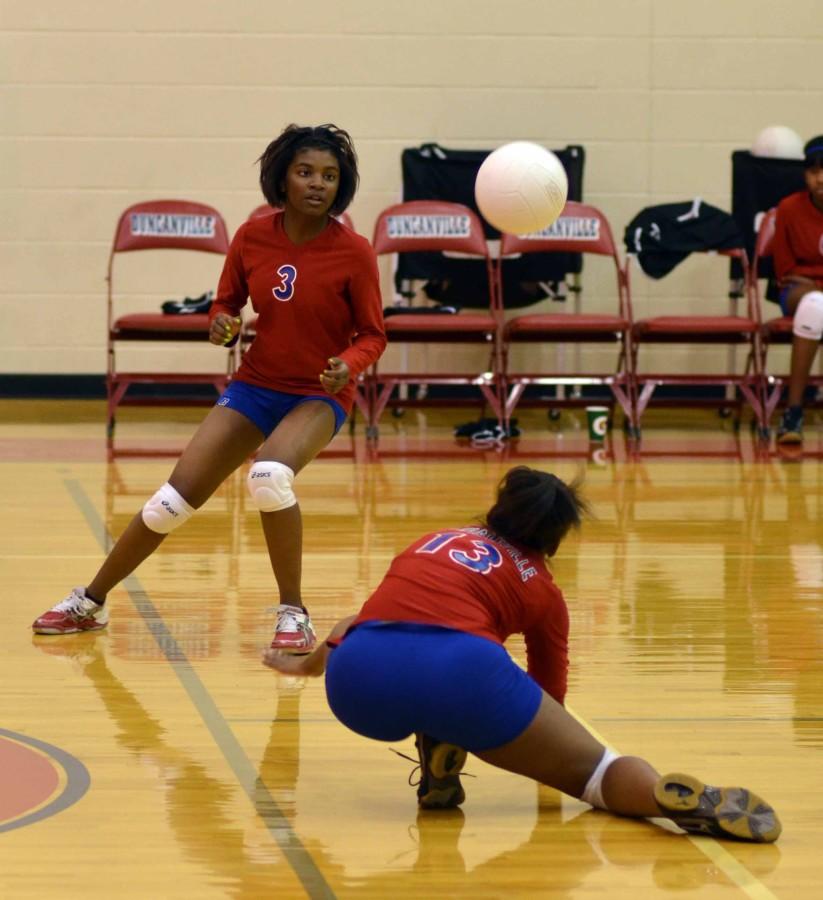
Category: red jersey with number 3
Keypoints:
(313, 301)
(469, 579)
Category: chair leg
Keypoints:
(635, 399)
(117, 390)
(627, 396)
(515, 393)
(365, 398)
(757, 400)
(624, 399)
(644, 397)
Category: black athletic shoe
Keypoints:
(791, 426)
(189, 306)
(724, 812)
(440, 766)
(487, 430)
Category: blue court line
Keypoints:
(247, 776)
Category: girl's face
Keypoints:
(312, 181)
(814, 183)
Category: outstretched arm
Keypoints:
(312, 665)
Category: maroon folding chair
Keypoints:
(732, 330)
(777, 331)
(581, 228)
(161, 225)
(438, 227)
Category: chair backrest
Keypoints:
(266, 210)
(429, 225)
(765, 236)
(263, 210)
(162, 224)
(580, 228)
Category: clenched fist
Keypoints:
(224, 329)
(336, 377)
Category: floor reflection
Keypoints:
(257, 854)
(730, 572)
(560, 855)
(199, 807)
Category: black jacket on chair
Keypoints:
(662, 236)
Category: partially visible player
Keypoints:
(798, 266)
(315, 287)
(425, 655)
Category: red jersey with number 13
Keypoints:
(469, 579)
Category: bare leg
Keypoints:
(302, 434)
(223, 441)
(558, 751)
(283, 531)
(803, 351)
(133, 546)
(628, 787)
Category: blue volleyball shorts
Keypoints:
(783, 298)
(389, 680)
(267, 408)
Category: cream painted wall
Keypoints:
(106, 104)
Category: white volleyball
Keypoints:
(521, 187)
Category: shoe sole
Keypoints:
(47, 630)
(442, 798)
(293, 651)
(738, 814)
(445, 764)
(447, 760)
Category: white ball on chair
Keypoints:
(778, 142)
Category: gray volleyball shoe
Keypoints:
(724, 812)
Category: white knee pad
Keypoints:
(808, 317)
(592, 793)
(166, 510)
(270, 485)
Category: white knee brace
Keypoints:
(593, 793)
(166, 510)
(808, 317)
(270, 485)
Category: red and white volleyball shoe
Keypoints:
(76, 613)
(294, 632)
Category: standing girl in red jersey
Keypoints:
(798, 266)
(314, 285)
(425, 656)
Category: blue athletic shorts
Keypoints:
(388, 680)
(267, 408)
(783, 297)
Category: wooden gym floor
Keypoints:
(159, 759)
